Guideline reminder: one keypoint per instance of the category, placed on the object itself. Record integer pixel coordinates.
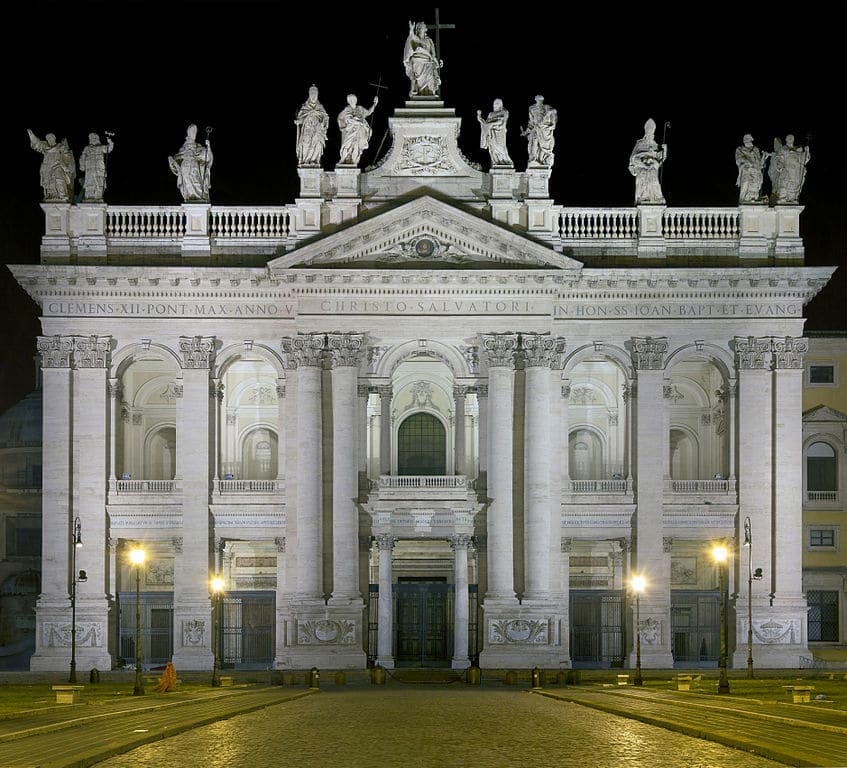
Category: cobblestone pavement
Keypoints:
(423, 726)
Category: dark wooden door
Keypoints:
(423, 612)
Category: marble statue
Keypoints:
(312, 122)
(92, 163)
(192, 166)
(539, 132)
(421, 62)
(355, 130)
(787, 171)
(58, 169)
(493, 134)
(644, 164)
(750, 161)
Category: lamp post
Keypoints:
(217, 592)
(720, 555)
(748, 542)
(136, 557)
(638, 583)
(76, 543)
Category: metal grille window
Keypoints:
(823, 615)
(421, 446)
(822, 537)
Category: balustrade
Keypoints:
(248, 486)
(598, 486)
(145, 222)
(423, 481)
(144, 486)
(701, 224)
(700, 486)
(598, 223)
(817, 496)
(247, 223)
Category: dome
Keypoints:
(21, 425)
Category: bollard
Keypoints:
(536, 678)
(94, 675)
(474, 676)
(511, 678)
(314, 678)
(378, 675)
(340, 678)
(562, 677)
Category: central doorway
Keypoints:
(423, 611)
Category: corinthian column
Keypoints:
(459, 441)
(384, 626)
(539, 351)
(346, 351)
(500, 351)
(303, 354)
(459, 543)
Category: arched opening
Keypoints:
(684, 460)
(259, 455)
(421, 446)
(821, 468)
(586, 455)
(160, 455)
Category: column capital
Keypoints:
(648, 352)
(752, 352)
(460, 391)
(789, 352)
(176, 541)
(667, 544)
(216, 389)
(460, 541)
(541, 350)
(92, 351)
(304, 349)
(280, 389)
(362, 390)
(114, 389)
(500, 349)
(345, 349)
(566, 391)
(481, 390)
(385, 391)
(279, 543)
(566, 544)
(198, 352)
(55, 351)
(385, 542)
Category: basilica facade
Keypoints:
(423, 415)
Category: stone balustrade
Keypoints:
(423, 481)
(699, 486)
(95, 232)
(249, 486)
(598, 486)
(144, 486)
(816, 497)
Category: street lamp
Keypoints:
(720, 555)
(638, 583)
(76, 543)
(217, 592)
(748, 542)
(136, 557)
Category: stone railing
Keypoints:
(144, 486)
(699, 486)
(597, 486)
(248, 486)
(423, 481)
(93, 231)
(823, 496)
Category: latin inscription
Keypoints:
(167, 309)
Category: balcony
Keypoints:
(247, 487)
(424, 487)
(822, 499)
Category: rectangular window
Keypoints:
(821, 374)
(822, 537)
(823, 615)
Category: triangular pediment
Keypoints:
(425, 232)
(823, 413)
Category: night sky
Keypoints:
(146, 70)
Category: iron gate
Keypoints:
(248, 636)
(157, 628)
(695, 626)
(596, 628)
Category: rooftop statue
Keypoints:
(787, 171)
(539, 132)
(58, 169)
(92, 163)
(421, 62)
(644, 164)
(192, 166)
(493, 135)
(312, 122)
(750, 161)
(355, 130)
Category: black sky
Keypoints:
(145, 70)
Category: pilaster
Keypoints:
(195, 241)
(192, 604)
(88, 225)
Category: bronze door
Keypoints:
(423, 612)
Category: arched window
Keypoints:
(421, 446)
(821, 468)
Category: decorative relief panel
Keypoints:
(57, 634)
(518, 631)
(777, 631)
(683, 570)
(194, 633)
(651, 630)
(424, 248)
(326, 632)
(424, 156)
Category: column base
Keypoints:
(462, 663)
(53, 636)
(386, 662)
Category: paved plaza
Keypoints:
(444, 726)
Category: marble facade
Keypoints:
(229, 387)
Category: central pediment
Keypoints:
(426, 233)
